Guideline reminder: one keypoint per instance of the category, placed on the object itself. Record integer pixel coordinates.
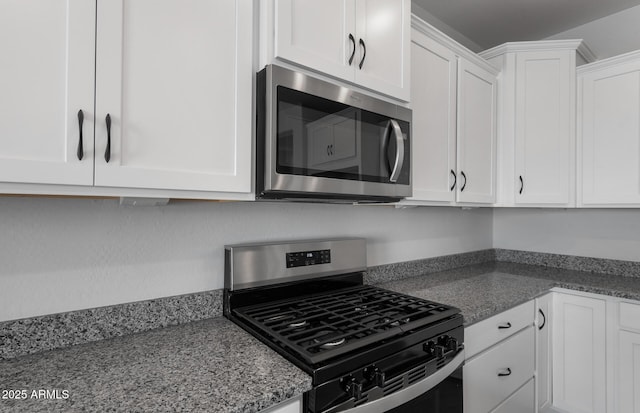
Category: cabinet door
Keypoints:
(476, 134)
(579, 352)
(175, 78)
(543, 351)
(383, 34)
(491, 377)
(545, 127)
(315, 34)
(610, 135)
(433, 100)
(629, 372)
(48, 51)
(288, 406)
(521, 401)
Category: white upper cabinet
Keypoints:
(537, 131)
(476, 131)
(453, 98)
(609, 132)
(47, 78)
(545, 127)
(176, 85)
(433, 100)
(174, 78)
(318, 34)
(366, 42)
(383, 30)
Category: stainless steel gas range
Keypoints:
(367, 349)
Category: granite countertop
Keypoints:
(483, 290)
(215, 366)
(210, 365)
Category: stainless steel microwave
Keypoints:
(323, 142)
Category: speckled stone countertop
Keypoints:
(483, 290)
(214, 366)
(204, 366)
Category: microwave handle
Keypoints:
(399, 158)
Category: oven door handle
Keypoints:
(405, 395)
(399, 157)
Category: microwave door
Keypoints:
(334, 144)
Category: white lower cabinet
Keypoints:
(498, 374)
(544, 365)
(579, 354)
(629, 372)
(628, 358)
(522, 401)
(293, 405)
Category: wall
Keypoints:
(66, 254)
(600, 233)
(609, 36)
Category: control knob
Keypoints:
(352, 387)
(429, 348)
(374, 375)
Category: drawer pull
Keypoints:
(503, 326)
(353, 51)
(80, 152)
(107, 152)
(544, 319)
(364, 53)
(504, 372)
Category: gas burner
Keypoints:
(333, 344)
(398, 322)
(278, 317)
(298, 324)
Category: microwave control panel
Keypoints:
(306, 258)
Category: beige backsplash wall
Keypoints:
(67, 254)
(600, 233)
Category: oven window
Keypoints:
(323, 138)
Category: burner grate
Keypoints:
(320, 327)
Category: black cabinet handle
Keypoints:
(521, 184)
(504, 372)
(544, 319)
(503, 326)
(80, 146)
(364, 54)
(107, 152)
(464, 185)
(455, 180)
(353, 51)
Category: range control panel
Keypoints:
(306, 258)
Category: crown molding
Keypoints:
(574, 44)
(612, 61)
(428, 30)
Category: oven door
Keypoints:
(440, 392)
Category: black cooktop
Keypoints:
(318, 327)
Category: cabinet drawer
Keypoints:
(486, 333)
(630, 316)
(521, 401)
(491, 377)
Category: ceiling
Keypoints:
(489, 23)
